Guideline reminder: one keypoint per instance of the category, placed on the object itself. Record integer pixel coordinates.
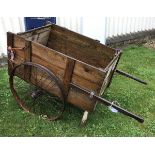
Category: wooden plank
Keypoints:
(68, 74)
(10, 40)
(49, 55)
(106, 80)
(18, 60)
(27, 58)
(85, 77)
(20, 53)
(85, 52)
(34, 32)
(40, 35)
(88, 73)
(83, 74)
(80, 100)
(110, 72)
(84, 39)
(28, 52)
(80, 81)
(41, 38)
(114, 68)
(19, 41)
(59, 72)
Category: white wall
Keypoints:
(98, 28)
(12, 24)
(101, 28)
(72, 23)
(122, 25)
(93, 27)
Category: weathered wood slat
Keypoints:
(79, 49)
(68, 74)
(27, 51)
(79, 80)
(41, 38)
(39, 35)
(19, 41)
(34, 32)
(18, 60)
(59, 72)
(49, 56)
(10, 42)
(27, 58)
(84, 39)
(80, 100)
(88, 73)
(53, 58)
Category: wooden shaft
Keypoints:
(130, 76)
(68, 74)
(108, 103)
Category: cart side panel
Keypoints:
(109, 75)
(80, 47)
(19, 42)
(40, 55)
(50, 59)
(37, 35)
(89, 78)
(81, 39)
(107, 78)
(80, 100)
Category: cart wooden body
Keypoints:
(72, 57)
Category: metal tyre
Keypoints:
(38, 91)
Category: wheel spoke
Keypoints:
(35, 95)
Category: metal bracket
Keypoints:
(91, 94)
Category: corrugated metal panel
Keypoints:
(122, 25)
(94, 27)
(13, 24)
(102, 28)
(72, 23)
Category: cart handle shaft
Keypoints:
(108, 103)
(130, 76)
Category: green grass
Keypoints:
(135, 97)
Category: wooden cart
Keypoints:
(54, 60)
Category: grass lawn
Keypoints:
(131, 95)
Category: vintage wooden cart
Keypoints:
(51, 63)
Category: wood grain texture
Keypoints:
(39, 35)
(68, 74)
(80, 47)
(27, 58)
(80, 100)
(10, 42)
